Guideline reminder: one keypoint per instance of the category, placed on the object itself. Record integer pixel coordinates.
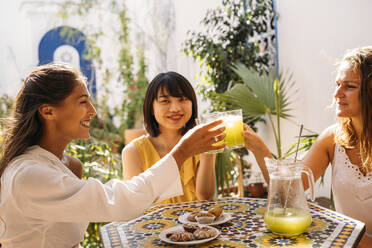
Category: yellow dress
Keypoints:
(150, 156)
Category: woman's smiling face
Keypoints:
(73, 114)
(171, 112)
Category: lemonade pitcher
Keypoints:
(287, 211)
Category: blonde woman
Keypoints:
(346, 145)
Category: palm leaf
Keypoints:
(305, 143)
(260, 86)
(256, 96)
(252, 107)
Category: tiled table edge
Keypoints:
(121, 236)
(357, 232)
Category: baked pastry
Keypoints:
(180, 236)
(202, 214)
(191, 217)
(216, 211)
(190, 227)
(204, 233)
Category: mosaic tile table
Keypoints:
(246, 229)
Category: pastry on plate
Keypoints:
(216, 211)
(190, 227)
(191, 217)
(204, 233)
(180, 236)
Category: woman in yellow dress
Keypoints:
(170, 109)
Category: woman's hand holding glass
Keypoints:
(199, 139)
(252, 141)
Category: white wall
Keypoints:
(15, 47)
(188, 17)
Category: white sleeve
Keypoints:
(46, 193)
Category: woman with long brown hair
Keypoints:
(347, 145)
(43, 203)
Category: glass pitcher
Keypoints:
(287, 212)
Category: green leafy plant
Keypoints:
(225, 172)
(236, 31)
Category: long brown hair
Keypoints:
(47, 84)
(361, 61)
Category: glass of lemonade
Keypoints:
(233, 122)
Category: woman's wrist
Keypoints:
(260, 149)
(179, 154)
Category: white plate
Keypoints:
(163, 237)
(225, 217)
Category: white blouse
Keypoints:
(43, 204)
(352, 191)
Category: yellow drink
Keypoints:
(234, 128)
(293, 222)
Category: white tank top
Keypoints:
(352, 191)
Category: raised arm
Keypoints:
(256, 145)
(198, 140)
(320, 154)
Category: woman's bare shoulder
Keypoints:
(130, 154)
(131, 147)
(131, 161)
(327, 140)
(328, 134)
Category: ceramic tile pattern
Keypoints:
(246, 229)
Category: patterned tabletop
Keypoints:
(245, 229)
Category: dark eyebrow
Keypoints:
(84, 95)
(163, 96)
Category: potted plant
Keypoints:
(256, 187)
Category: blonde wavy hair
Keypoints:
(361, 61)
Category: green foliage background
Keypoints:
(130, 75)
(231, 33)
